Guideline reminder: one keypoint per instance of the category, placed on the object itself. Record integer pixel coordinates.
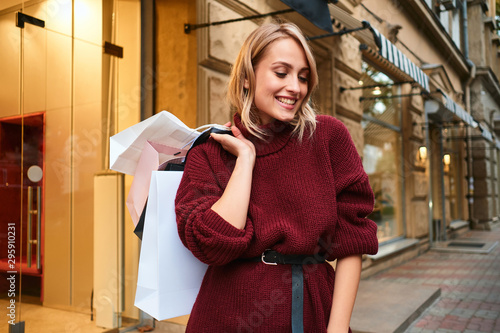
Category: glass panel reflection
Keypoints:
(376, 84)
(453, 169)
(381, 160)
(382, 150)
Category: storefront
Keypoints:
(61, 95)
(393, 118)
(382, 152)
(451, 172)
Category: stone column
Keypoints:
(417, 185)
(481, 171)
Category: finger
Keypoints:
(220, 138)
(236, 132)
(215, 136)
(228, 124)
(227, 142)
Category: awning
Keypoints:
(390, 52)
(486, 134)
(372, 40)
(459, 111)
(341, 17)
(446, 109)
(315, 11)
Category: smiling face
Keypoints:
(281, 81)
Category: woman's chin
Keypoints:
(286, 118)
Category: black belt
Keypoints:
(271, 257)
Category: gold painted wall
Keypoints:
(176, 60)
(57, 76)
(60, 74)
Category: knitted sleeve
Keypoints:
(354, 234)
(205, 233)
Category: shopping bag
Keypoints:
(150, 145)
(149, 160)
(169, 275)
(163, 128)
(139, 227)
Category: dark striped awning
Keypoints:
(486, 134)
(375, 46)
(458, 111)
(372, 40)
(445, 109)
(390, 52)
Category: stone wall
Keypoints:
(218, 46)
(484, 101)
(347, 73)
(176, 75)
(417, 182)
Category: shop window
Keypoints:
(382, 150)
(453, 171)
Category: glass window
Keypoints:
(378, 102)
(382, 150)
(452, 165)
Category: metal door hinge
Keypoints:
(113, 49)
(22, 18)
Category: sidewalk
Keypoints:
(469, 284)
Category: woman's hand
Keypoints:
(237, 145)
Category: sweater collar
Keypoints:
(278, 134)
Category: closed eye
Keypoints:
(280, 75)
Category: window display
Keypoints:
(382, 150)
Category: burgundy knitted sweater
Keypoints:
(306, 198)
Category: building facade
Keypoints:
(416, 84)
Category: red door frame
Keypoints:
(21, 266)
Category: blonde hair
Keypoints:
(252, 51)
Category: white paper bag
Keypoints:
(163, 128)
(169, 275)
(150, 160)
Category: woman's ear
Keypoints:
(246, 85)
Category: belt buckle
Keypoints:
(265, 262)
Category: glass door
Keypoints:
(454, 172)
(21, 191)
(22, 164)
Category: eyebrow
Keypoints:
(283, 63)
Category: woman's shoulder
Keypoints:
(204, 153)
(329, 125)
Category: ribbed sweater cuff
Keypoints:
(220, 226)
(361, 240)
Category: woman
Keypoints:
(286, 181)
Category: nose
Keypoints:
(293, 85)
